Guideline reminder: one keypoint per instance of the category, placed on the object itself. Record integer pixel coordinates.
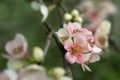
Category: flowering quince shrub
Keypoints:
(79, 42)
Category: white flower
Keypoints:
(63, 34)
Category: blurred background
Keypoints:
(16, 16)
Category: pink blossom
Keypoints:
(17, 48)
(101, 39)
(33, 72)
(76, 48)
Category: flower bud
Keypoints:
(78, 19)
(38, 54)
(58, 72)
(75, 12)
(67, 16)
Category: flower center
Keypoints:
(102, 40)
(76, 50)
(64, 38)
(75, 31)
(18, 49)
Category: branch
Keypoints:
(61, 47)
(59, 5)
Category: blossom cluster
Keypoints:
(79, 44)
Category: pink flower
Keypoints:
(17, 48)
(101, 38)
(33, 72)
(76, 48)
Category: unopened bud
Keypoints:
(67, 16)
(58, 72)
(75, 12)
(78, 19)
(38, 54)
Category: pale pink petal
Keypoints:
(68, 45)
(94, 58)
(81, 41)
(88, 34)
(82, 58)
(20, 39)
(9, 47)
(70, 57)
(76, 25)
(95, 49)
(70, 27)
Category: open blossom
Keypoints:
(101, 34)
(33, 72)
(17, 48)
(76, 48)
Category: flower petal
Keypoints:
(76, 25)
(95, 49)
(70, 27)
(82, 58)
(68, 45)
(81, 41)
(70, 57)
(94, 58)
(44, 11)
